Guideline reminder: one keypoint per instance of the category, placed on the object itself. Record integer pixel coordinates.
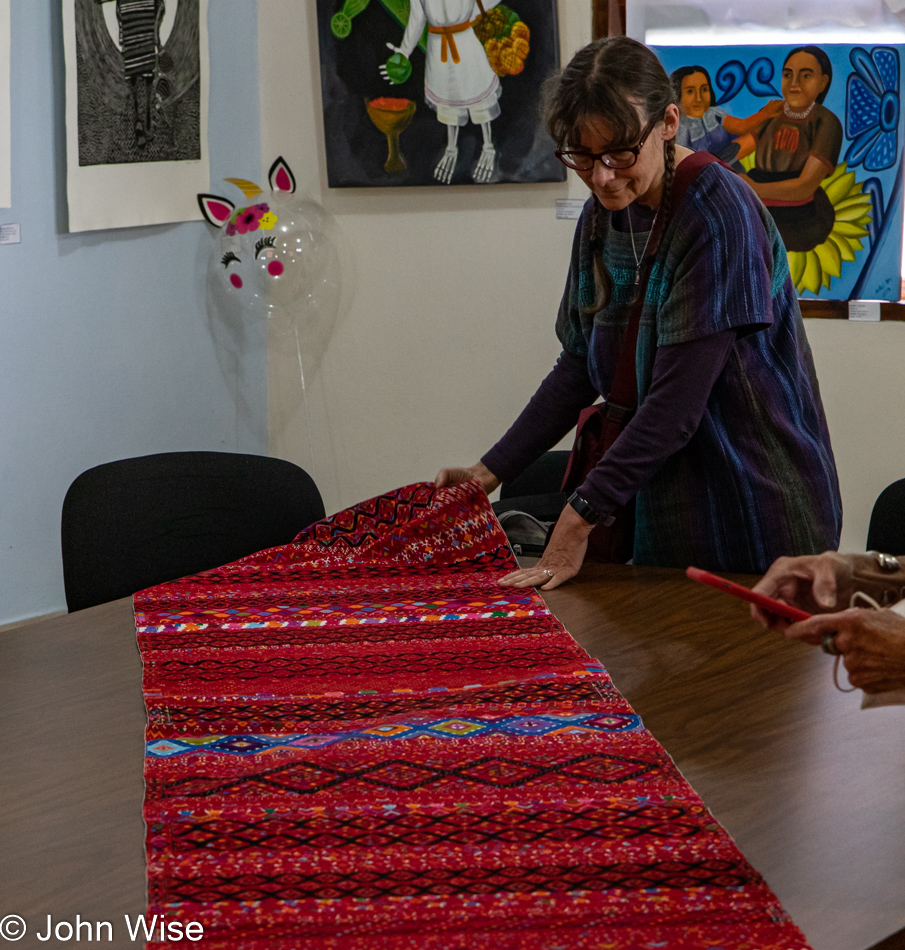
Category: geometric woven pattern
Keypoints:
(441, 728)
(478, 827)
(360, 741)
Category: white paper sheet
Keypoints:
(126, 192)
(6, 197)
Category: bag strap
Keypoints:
(623, 395)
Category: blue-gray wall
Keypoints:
(106, 350)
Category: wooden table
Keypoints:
(809, 785)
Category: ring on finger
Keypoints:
(547, 571)
(829, 645)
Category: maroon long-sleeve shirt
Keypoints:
(682, 379)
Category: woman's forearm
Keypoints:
(551, 413)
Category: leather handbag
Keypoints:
(612, 540)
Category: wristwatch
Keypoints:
(886, 562)
(584, 508)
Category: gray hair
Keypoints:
(609, 79)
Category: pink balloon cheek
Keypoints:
(275, 268)
(236, 281)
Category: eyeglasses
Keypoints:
(612, 158)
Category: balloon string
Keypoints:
(298, 349)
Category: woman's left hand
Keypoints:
(872, 644)
(562, 558)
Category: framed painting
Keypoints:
(436, 92)
(136, 111)
(817, 131)
(139, 81)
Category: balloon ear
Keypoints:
(216, 210)
(281, 177)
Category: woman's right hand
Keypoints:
(871, 642)
(478, 472)
(817, 583)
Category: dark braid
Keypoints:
(669, 174)
(620, 81)
(603, 280)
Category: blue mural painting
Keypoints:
(817, 131)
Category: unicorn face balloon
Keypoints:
(273, 252)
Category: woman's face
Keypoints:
(695, 99)
(617, 188)
(802, 80)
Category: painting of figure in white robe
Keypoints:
(426, 92)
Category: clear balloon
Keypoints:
(274, 282)
(280, 261)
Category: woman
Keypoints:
(728, 455)
(795, 150)
(706, 127)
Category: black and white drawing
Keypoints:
(138, 66)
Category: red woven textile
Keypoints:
(360, 741)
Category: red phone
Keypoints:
(745, 593)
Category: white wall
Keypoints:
(455, 293)
(860, 368)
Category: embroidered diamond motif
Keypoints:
(457, 727)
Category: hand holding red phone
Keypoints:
(766, 604)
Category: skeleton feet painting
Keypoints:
(138, 66)
(462, 82)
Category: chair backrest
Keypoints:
(537, 491)
(133, 523)
(542, 477)
(886, 531)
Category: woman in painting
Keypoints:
(707, 127)
(459, 83)
(139, 40)
(728, 455)
(795, 150)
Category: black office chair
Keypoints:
(886, 531)
(529, 504)
(538, 489)
(130, 524)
